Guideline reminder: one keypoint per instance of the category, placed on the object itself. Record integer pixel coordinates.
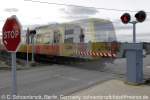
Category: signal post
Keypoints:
(134, 51)
(32, 33)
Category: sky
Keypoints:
(33, 12)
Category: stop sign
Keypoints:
(11, 34)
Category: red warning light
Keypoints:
(125, 18)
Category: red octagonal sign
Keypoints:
(11, 34)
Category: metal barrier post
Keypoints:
(134, 55)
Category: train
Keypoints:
(91, 38)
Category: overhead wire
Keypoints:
(72, 5)
(62, 4)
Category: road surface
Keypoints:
(66, 79)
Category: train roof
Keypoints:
(93, 20)
(74, 23)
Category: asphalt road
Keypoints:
(66, 79)
(53, 79)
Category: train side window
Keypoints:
(56, 36)
(69, 40)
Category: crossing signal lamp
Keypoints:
(140, 16)
(32, 31)
(125, 18)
